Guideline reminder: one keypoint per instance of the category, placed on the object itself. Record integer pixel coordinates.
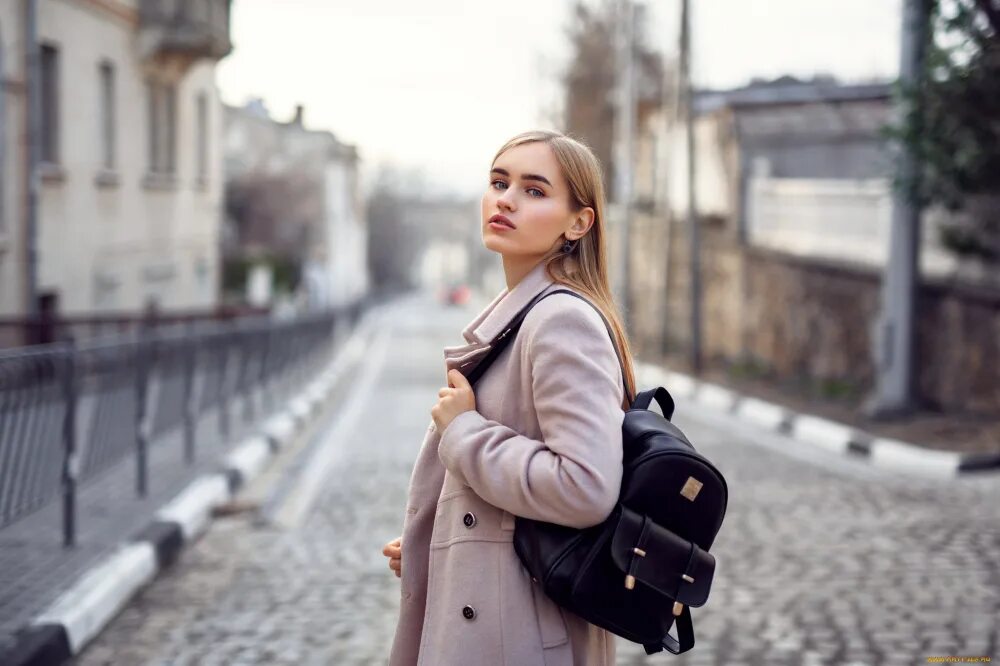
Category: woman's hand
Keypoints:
(453, 399)
(394, 551)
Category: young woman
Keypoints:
(539, 437)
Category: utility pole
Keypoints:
(624, 138)
(670, 104)
(894, 334)
(694, 233)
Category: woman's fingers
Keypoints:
(394, 548)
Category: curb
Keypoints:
(810, 430)
(61, 631)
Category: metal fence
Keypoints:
(69, 411)
(48, 326)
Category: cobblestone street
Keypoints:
(817, 564)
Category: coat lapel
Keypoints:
(495, 318)
(490, 322)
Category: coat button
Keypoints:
(469, 519)
(468, 612)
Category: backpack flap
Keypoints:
(655, 556)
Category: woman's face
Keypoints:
(527, 187)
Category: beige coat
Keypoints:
(543, 442)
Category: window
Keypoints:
(107, 128)
(202, 136)
(162, 127)
(49, 87)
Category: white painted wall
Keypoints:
(712, 188)
(846, 220)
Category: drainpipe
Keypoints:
(33, 107)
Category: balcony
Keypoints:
(183, 30)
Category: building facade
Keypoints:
(296, 194)
(130, 174)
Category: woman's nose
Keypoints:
(504, 201)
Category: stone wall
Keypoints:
(959, 347)
(796, 319)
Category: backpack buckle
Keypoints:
(629, 578)
(678, 606)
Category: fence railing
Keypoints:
(69, 411)
(47, 327)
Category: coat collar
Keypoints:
(505, 305)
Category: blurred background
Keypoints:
(198, 197)
(202, 159)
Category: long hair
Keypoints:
(585, 267)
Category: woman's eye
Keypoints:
(501, 185)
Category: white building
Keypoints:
(329, 204)
(130, 191)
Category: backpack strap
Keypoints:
(504, 337)
(662, 396)
(684, 640)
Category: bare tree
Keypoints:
(589, 79)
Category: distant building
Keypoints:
(817, 130)
(130, 193)
(794, 197)
(295, 194)
(785, 163)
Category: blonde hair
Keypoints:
(585, 267)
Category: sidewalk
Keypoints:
(34, 565)
(968, 433)
(37, 573)
(942, 446)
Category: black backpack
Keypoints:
(648, 562)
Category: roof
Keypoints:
(788, 90)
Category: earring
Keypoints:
(568, 246)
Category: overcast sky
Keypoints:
(440, 85)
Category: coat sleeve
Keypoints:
(572, 476)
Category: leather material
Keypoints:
(671, 507)
(668, 558)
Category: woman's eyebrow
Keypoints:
(524, 176)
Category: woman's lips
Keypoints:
(502, 220)
(499, 226)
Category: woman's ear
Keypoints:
(584, 220)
